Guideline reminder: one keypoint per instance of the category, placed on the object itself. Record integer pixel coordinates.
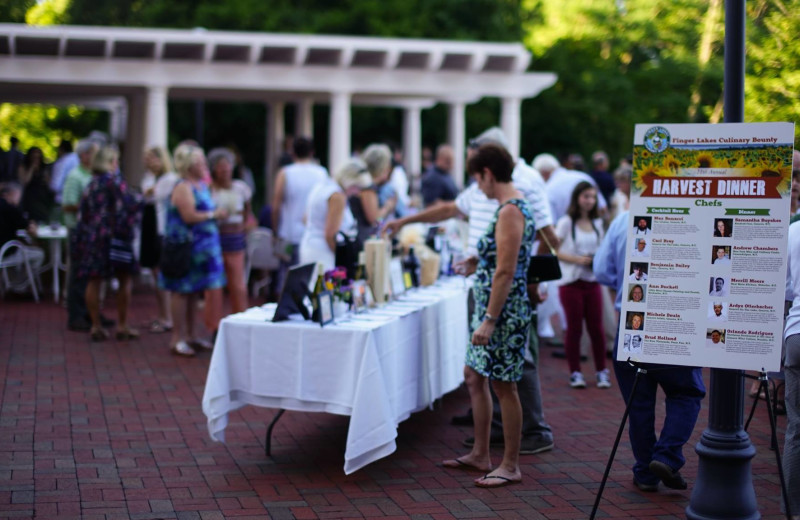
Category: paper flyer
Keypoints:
(707, 240)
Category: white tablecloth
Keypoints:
(377, 368)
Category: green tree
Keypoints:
(495, 20)
(618, 64)
(773, 62)
(13, 11)
(46, 125)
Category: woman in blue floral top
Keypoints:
(502, 317)
(193, 215)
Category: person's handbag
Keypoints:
(176, 257)
(544, 268)
(347, 249)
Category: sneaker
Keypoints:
(603, 380)
(647, 488)
(79, 326)
(671, 478)
(532, 445)
(576, 380)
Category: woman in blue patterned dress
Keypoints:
(502, 317)
(192, 213)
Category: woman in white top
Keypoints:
(233, 195)
(327, 213)
(159, 173)
(580, 232)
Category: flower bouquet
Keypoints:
(338, 284)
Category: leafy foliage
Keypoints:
(46, 125)
(14, 11)
(773, 66)
(619, 63)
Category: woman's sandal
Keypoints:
(126, 334)
(182, 349)
(99, 334)
(158, 327)
(200, 344)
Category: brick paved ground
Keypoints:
(116, 430)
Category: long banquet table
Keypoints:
(377, 367)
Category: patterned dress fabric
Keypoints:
(502, 359)
(108, 209)
(207, 271)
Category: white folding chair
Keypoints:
(16, 273)
(260, 255)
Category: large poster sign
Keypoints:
(706, 259)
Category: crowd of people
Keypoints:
(194, 211)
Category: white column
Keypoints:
(455, 137)
(304, 118)
(274, 145)
(118, 121)
(339, 130)
(412, 140)
(510, 123)
(156, 132)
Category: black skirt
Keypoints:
(150, 252)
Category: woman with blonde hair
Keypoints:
(191, 217)
(364, 205)
(108, 214)
(159, 166)
(327, 213)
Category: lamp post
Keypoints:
(724, 485)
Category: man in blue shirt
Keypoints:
(657, 459)
(437, 183)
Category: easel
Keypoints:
(763, 386)
(642, 370)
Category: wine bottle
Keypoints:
(361, 269)
(411, 265)
(318, 288)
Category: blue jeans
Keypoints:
(684, 390)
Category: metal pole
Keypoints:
(724, 485)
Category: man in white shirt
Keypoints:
(641, 227)
(636, 343)
(642, 248)
(638, 272)
(473, 204)
(719, 287)
(716, 313)
(561, 183)
(293, 184)
(716, 339)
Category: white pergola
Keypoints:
(132, 73)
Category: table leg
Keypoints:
(268, 442)
(55, 254)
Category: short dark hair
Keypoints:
(10, 187)
(303, 147)
(493, 157)
(65, 146)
